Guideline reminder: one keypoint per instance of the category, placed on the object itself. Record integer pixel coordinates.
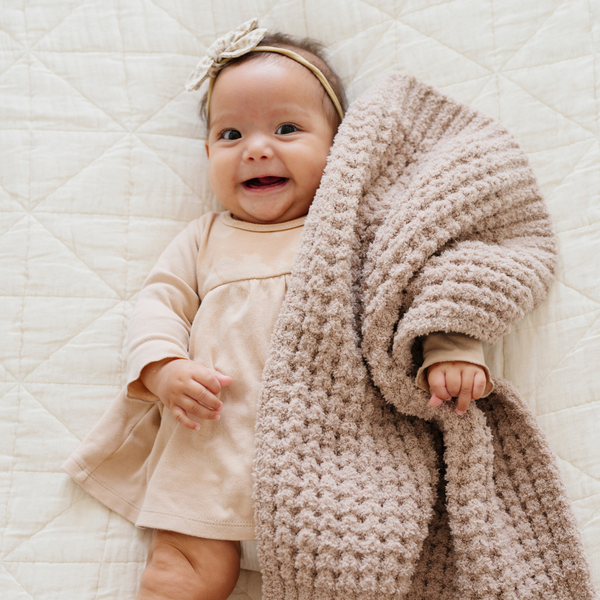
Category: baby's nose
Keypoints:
(258, 148)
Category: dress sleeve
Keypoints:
(446, 347)
(167, 304)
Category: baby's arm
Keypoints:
(454, 366)
(186, 388)
(158, 365)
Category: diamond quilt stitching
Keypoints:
(366, 58)
(80, 93)
(182, 25)
(13, 64)
(41, 200)
(378, 8)
(66, 16)
(568, 353)
(136, 246)
(13, 578)
(556, 8)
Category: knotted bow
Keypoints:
(237, 42)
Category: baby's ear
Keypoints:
(206, 146)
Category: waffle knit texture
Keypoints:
(428, 218)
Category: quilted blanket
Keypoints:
(102, 164)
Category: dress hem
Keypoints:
(154, 520)
(151, 519)
(100, 491)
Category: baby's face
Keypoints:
(269, 139)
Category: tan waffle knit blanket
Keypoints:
(428, 219)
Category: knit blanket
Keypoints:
(428, 218)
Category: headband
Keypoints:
(238, 42)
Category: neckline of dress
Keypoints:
(227, 218)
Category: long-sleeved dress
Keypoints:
(213, 297)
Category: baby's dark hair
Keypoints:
(309, 49)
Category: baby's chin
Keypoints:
(281, 202)
(267, 215)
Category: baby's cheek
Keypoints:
(219, 175)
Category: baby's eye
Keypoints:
(286, 128)
(231, 134)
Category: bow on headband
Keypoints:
(237, 42)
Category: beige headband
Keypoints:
(238, 42)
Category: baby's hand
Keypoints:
(448, 380)
(186, 388)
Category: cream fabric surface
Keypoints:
(102, 163)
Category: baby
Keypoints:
(200, 331)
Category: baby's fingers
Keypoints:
(212, 380)
(202, 395)
(192, 407)
(182, 418)
(437, 386)
(466, 393)
(224, 380)
(471, 388)
(479, 383)
(435, 401)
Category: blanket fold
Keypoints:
(428, 219)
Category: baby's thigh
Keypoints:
(182, 566)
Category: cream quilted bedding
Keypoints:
(102, 162)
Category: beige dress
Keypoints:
(213, 296)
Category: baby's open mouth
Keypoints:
(265, 183)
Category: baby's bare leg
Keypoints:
(189, 568)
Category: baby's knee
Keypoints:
(168, 574)
(189, 570)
